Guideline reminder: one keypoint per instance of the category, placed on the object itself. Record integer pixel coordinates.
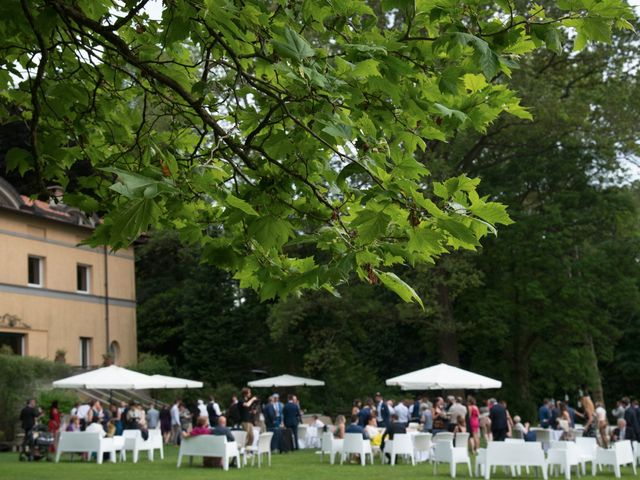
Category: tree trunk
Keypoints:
(523, 385)
(595, 377)
(447, 336)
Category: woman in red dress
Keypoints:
(474, 423)
(54, 420)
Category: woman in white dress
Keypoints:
(601, 418)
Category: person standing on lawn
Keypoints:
(291, 417)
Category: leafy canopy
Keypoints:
(262, 128)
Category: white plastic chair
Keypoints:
(445, 452)
(256, 434)
(514, 440)
(240, 436)
(313, 437)
(443, 437)
(354, 443)
(402, 444)
(618, 455)
(422, 446)
(543, 435)
(481, 461)
(118, 444)
(157, 443)
(513, 455)
(587, 449)
(331, 446)
(85, 442)
(209, 446)
(262, 448)
(565, 455)
(134, 442)
(461, 439)
(303, 436)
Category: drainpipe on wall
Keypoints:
(106, 298)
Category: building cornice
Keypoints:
(63, 295)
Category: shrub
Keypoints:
(66, 400)
(20, 379)
(151, 364)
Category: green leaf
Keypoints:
(425, 240)
(458, 230)
(18, 158)
(339, 130)
(474, 83)
(492, 213)
(294, 46)
(365, 69)
(449, 81)
(134, 218)
(370, 224)
(240, 204)
(489, 62)
(597, 29)
(487, 59)
(552, 40)
(133, 181)
(270, 231)
(449, 112)
(400, 287)
(346, 172)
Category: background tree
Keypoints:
(241, 124)
(194, 314)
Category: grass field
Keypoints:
(303, 465)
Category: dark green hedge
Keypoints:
(21, 378)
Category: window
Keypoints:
(14, 341)
(85, 352)
(36, 271)
(83, 275)
(114, 351)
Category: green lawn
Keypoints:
(304, 465)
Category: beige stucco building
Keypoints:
(58, 295)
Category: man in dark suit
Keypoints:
(365, 413)
(270, 415)
(277, 405)
(633, 426)
(213, 410)
(544, 414)
(233, 413)
(622, 432)
(393, 428)
(382, 411)
(291, 417)
(355, 428)
(499, 421)
(222, 430)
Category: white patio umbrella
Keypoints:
(443, 376)
(176, 382)
(110, 378)
(286, 381)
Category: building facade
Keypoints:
(57, 297)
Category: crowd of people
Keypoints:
(561, 415)
(93, 417)
(244, 412)
(450, 414)
(491, 419)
